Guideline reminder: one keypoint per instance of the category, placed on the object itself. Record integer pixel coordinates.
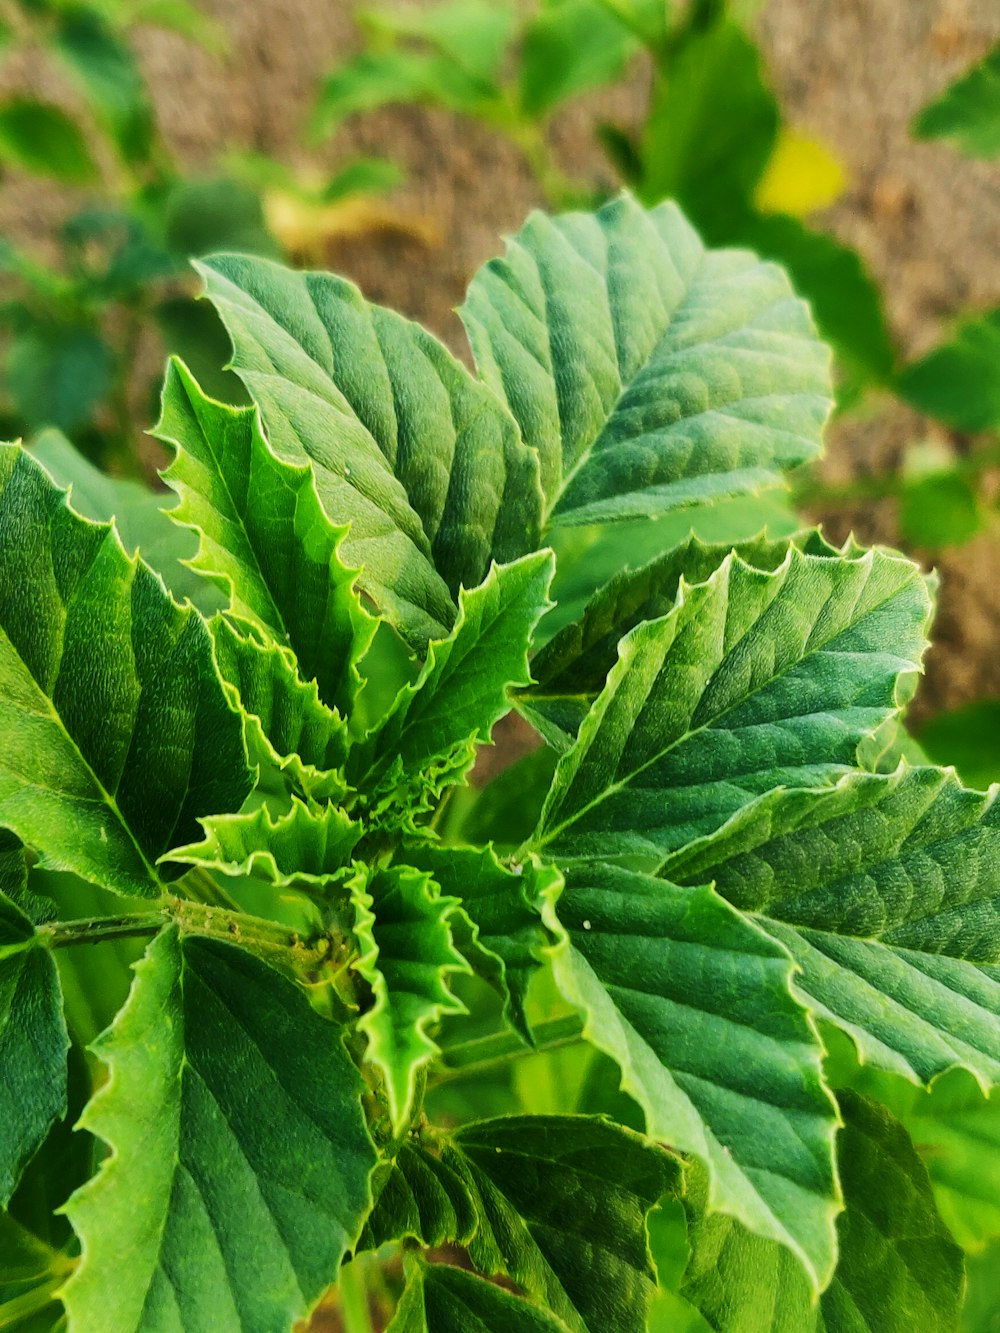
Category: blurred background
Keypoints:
(396, 142)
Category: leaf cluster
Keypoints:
(724, 868)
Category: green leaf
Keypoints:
(441, 1299)
(969, 738)
(755, 678)
(563, 1202)
(41, 138)
(845, 300)
(115, 733)
(422, 1198)
(649, 373)
(709, 162)
(139, 514)
(695, 1004)
(33, 1044)
(407, 957)
(264, 537)
(418, 457)
(110, 79)
(884, 891)
(509, 912)
(57, 375)
(940, 509)
(968, 113)
(307, 846)
(30, 1274)
(239, 1175)
(898, 1270)
(957, 382)
(474, 34)
(201, 216)
(463, 686)
(568, 48)
(284, 716)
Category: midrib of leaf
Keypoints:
(50, 710)
(629, 779)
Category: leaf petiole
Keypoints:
(468, 1059)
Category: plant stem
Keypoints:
(252, 932)
(354, 1297)
(468, 1059)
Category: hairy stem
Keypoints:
(255, 933)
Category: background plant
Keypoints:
(721, 864)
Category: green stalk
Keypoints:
(354, 1297)
(468, 1059)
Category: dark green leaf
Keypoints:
(240, 1170)
(57, 376)
(116, 733)
(958, 381)
(938, 510)
(41, 138)
(969, 738)
(441, 1299)
(968, 113)
(422, 1198)
(110, 79)
(570, 47)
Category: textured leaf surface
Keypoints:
(418, 457)
(695, 1005)
(563, 1203)
(240, 1171)
(284, 716)
(264, 537)
(885, 891)
(968, 113)
(305, 846)
(898, 1270)
(407, 957)
(463, 686)
(957, 382)
(509, 910)
(755, 678)
(648, 372)
(423, 1198)
(441, 1299)
(116, 733)
(33, 1044)
(30, 1274)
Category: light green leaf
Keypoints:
(284, 716)
(115, 733)
(33, 1045)
(649, 373)
(563, 1202)
(264, 537)
(898, 1270)
(407, 957)
(463, 687)
(41, 138)
(968, 113)
(939, 509)
(239, 1175)
(421, 1198)
(885, 891)
(957, 382)
(696, 1006)
(419, 458)
(306, 846)
(440, 1299)
(510, 912)
(755, 678)
(568, 48)
(472, 33)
